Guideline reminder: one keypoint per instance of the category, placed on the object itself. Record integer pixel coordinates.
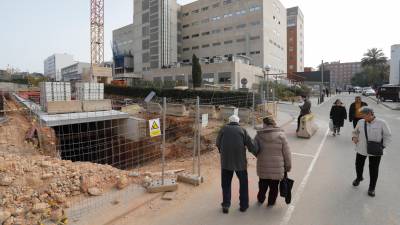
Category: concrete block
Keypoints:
(132, 109)
(308, 127)
(245, 115)
(177, 110)
(156, 186)
(57, 107)
(192, 179)
(97, 105)
(153, 108)
(226, 112)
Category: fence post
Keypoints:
(164, 112)
(196, 121)
(198, 135)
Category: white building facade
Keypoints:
(76, 72)
(395, 65)
(53, 65)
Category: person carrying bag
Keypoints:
(371, 136)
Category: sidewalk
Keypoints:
(389, 105)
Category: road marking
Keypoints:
(300, 189)
(301, 154)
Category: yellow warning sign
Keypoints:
(154, 126)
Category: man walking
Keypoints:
(370, 129)
(232, 141)
(354, 111)
(304, 110)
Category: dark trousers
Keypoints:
(355, 121)
(263, 185)
(374, 162)
(298, 122)
(336, 129)
(226, 181)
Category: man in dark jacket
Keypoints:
(354, 111)
(304, 110)
(232, 141)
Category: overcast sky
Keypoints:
(342, 30)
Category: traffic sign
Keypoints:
(155, 128)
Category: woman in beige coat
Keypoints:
(273, 160)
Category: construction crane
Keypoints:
(96, 34)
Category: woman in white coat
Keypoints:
(378, 131)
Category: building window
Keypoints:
(195, 35)
(195, 23)
(185, 25)
(186, 49)
(241, 53)
(216, 31)
(228, 28)
(185, 14)
(241, 40)
(195, 11)
(228, 42)
(185, 37)
(255, 38)
(204, 8)
(255, 53)
(216, 44)
(241, 12)
(205, 46)
(208, 78)
(226, 2)
(195, 47)
(205, 20)
(216, 5)
(241, 26)
(224, 78)
(215, 18)
(255, 23)
(205, 33)
(255, 8)
(228, 15)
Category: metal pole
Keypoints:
(196, 122)
(254, 111)
(267, 87)
(322, 80)
(198, 136)
(163, 138)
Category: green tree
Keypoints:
(196, 72)
(374, 57)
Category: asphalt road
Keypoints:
(323, 170)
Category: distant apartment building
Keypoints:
(395, 65)
(166, 34)
(53, 65)
(295, 41)
(342, 73)
(78, 71)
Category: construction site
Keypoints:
(67, 153)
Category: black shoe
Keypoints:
(225, 210)
(357, 181)
(242, 209)
(271, 205)
(371, 193)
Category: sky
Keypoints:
(30, 31)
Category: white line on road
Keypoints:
(300, 189)
(301, 154)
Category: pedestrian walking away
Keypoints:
(354, 111)
(273, 160)
(304, 110)
(369, 134)
(338, 115)
(232, 141)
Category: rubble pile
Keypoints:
(37, 188)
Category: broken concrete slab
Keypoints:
(177, 110)
(157, 186)
(192, 179)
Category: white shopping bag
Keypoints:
(331, 125)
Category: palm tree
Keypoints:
(374, 57)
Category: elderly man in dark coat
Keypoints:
(232, 141)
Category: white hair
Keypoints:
(234, 119)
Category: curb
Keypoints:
(384, 104)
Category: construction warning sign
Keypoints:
(155, 128)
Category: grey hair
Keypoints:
(366, 110)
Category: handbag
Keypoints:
(285, 188)
(331, 125)
(373, 148)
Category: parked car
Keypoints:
(357, 89)
(389, 92)
(369, 92)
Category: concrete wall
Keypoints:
(395, 65)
